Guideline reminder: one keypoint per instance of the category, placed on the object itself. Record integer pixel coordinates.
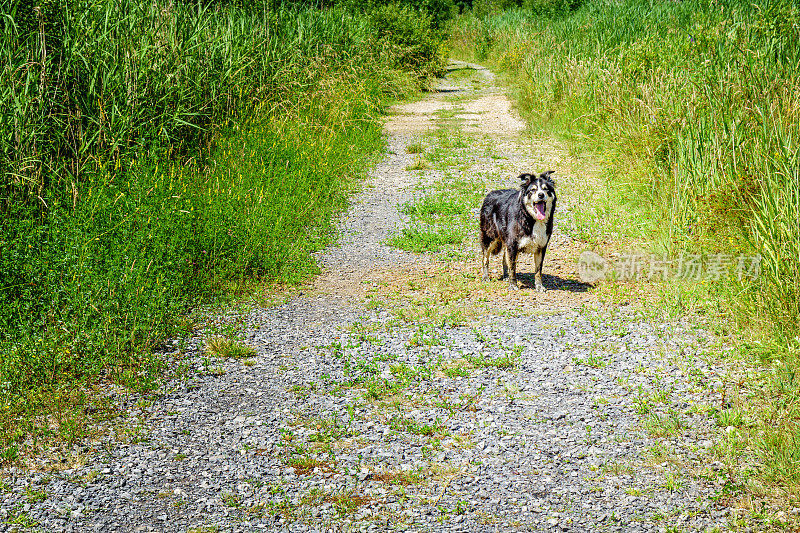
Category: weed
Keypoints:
(594, 361)
(730, 417)
(418, 164)
(439, 220)
(304, 461)
(35, 496)
(455, 371)
(329, 430)
(599, 400)
(20, 518)
(348, 502)
(415, 148)
(398, 423)
(231, 500)
(402, 477)
(661, 452)
(427, 240)
(673, 482)
(226, 347)
(617, 468)
(484, 361)
(426, 335)
(642, 401)
(663, 426)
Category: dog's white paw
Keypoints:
(513, 286)
(541, 288)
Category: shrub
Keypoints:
(407, 36)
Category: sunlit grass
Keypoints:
(156, 158)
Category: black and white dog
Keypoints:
(519, 221)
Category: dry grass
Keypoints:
(226, 347)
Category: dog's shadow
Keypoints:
(551, 282)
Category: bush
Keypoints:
(551, 7)
(486, 8)
(407, 37)
(437, 11)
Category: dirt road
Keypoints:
(400, 392)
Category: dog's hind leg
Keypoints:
(538, 260)
(488, 247)
(505, 263)
(486, 254)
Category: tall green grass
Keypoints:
(158, 155)
(696, 106)
(704, 93)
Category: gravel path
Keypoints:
(570, 417)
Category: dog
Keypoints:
(519, 220)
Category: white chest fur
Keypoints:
(538, 238)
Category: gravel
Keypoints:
(547, 444)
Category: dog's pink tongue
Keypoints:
(538, 210)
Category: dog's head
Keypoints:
(538, 194)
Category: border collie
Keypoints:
(519, 220)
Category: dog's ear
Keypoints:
(548, 175)
(526, 179)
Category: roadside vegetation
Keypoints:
(694, 111)
(157, 156)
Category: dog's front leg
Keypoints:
(511, 254)
(538, 259)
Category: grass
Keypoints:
(418, 164)
(673, 482)
(663, 425)
(206, 141)
(693, 93)
(440, 220)
(455, 372)
(399, 423)
(415, 148)
(329, 430)
(503, 362)
(690, 109)
(402, 477)
(593, 361)
(225, 347)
